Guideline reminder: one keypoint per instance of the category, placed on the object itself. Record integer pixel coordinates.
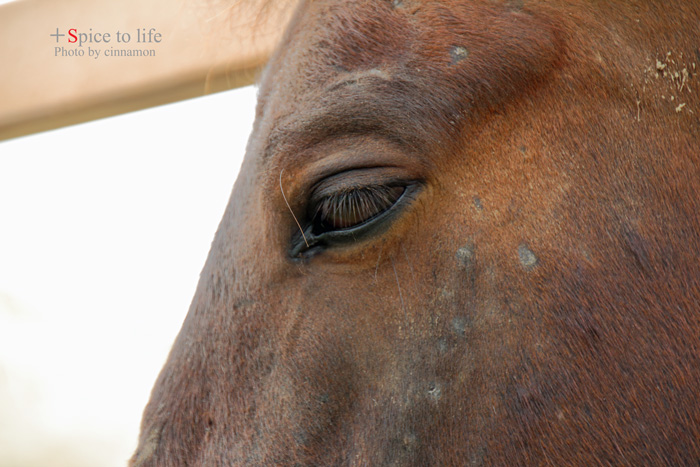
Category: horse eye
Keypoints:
(353, 207)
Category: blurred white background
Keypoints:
(104, 228)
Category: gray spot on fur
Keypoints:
(465, 255)
(435, 391)
(145, 454)
(477, 203)
(458, 53)
(527, 257)
(410, 440)
(443, 346)
(477, 457)
(459, 326)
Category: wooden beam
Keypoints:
(177, 49)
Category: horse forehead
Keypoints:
(367, 34)
(432, 64)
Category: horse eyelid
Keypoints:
(351, 208)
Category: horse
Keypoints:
(465, 232)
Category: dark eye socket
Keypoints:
(351, 207)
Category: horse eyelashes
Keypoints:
(352, 207)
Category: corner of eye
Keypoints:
(302, 254)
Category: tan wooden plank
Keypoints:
(205, 47)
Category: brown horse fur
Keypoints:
(537, 302)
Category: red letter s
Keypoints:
(70, 33)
